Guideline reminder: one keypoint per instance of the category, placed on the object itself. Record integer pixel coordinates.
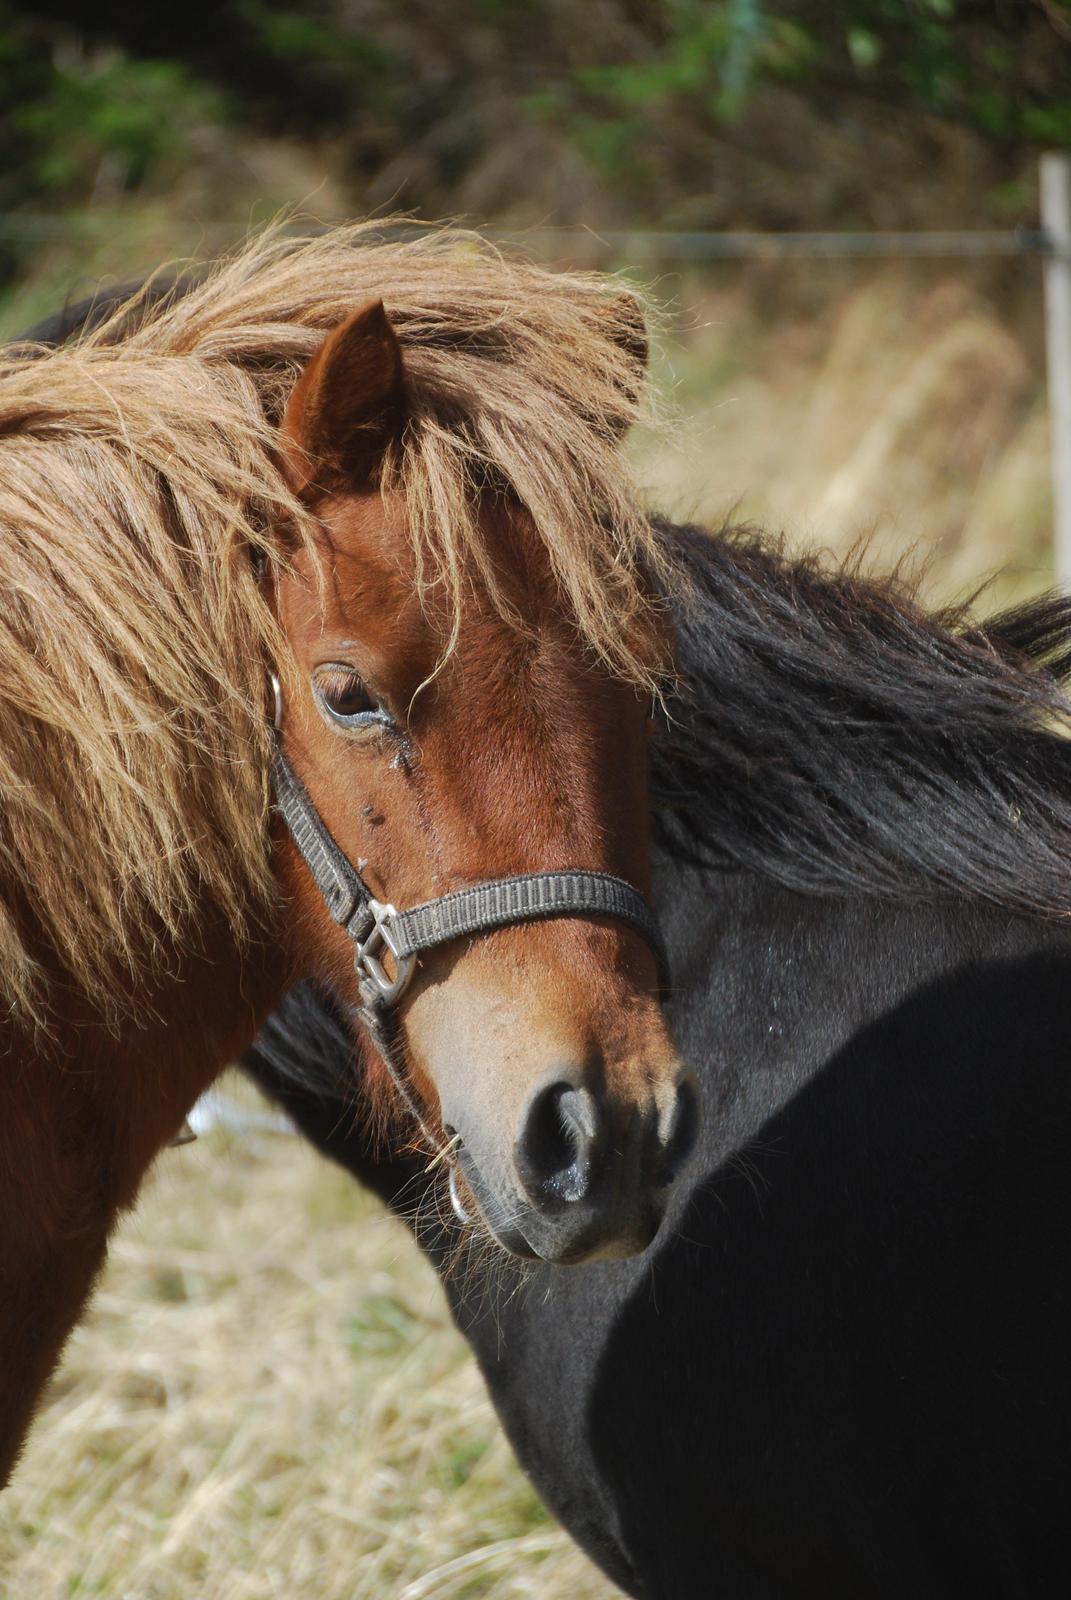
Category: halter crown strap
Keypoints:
(500, 902)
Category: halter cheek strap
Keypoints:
(377, 928)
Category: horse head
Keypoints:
(452, 733)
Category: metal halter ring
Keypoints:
(370, 969)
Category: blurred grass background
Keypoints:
(267, 1399)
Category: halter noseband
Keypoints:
(377, 928)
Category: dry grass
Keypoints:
(907, 410)
(268, 1400)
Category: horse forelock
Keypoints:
(139, 465)
(518, 377)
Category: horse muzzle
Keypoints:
(588, 1179)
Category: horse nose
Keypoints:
(555, 1144)
(570, 1149)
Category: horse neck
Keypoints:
(85, 1115)
(775, 991)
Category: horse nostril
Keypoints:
(683, 1130)
(553, 1152)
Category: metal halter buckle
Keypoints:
(370, 969)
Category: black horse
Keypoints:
(843, 1369)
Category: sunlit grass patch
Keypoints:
(268, 1400)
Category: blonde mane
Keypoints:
(138, 471)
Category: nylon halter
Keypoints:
(377, 928)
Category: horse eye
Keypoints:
(342, 694)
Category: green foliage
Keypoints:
(107, 114)
(1003, 68)
(657, 96)
(300, 40)
(709, 55)
(82, 118)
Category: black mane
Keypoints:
(835, 736)
(85, 315)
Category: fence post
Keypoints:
(1056, 224)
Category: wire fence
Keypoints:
(1050, 243)
(741, 246)
(642, 244)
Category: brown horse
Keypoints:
(422, 523)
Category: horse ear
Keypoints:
(347, 406)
